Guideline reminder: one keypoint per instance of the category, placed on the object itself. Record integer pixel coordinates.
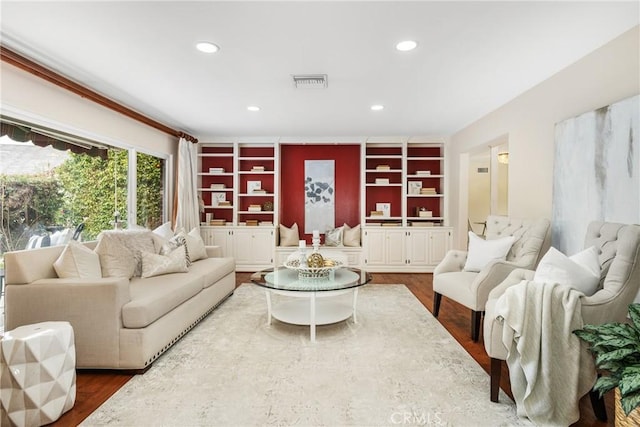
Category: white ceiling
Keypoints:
(472, 58)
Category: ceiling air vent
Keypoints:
(310, 81)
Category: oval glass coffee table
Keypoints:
(314, 301)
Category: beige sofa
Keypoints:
(119, 323)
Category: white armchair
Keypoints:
(619, 248)
(471, 289)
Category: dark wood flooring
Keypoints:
(95, 387)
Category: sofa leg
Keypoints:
(496, 370)
(597, 403)
(436, 303)
(476, 322)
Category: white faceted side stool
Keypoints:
(38, 377)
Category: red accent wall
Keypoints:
(347, 174)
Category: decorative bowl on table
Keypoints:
(314, 269)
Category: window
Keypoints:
(47, 192)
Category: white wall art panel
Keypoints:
(596, 172)
(319, 201)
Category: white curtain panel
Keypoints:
(188, 215)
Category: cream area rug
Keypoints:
(396, 366)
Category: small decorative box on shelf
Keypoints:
(382, 181)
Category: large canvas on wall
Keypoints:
(596, 172)
(319, 201)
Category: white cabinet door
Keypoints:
(418, 247)
(395, 247)
(375, 247)
(219, 236)
(439, 245)
(254, 248)
(384, 247)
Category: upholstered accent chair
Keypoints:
(619, 249)
(471, 288)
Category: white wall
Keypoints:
(24, 92)
(606, 75)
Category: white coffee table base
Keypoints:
(312, 308)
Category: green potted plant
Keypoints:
(616, 347)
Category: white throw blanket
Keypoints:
(549, 366)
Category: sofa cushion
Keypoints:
(152, 298)
(119, 252)
(78, 261)
(213, 269)
(156, 264)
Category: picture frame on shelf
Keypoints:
(414, 187)
(216, 198)
(253, 185)
(385, 208)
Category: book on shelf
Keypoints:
(216, 170)
(391, 224)
(218, 186)
(383, 181)
(428, 190)
(423, 172)
(258, 191)
(376, 213)
(218, 222)
(383, 167)
(257, 169)
(265, 223)
(224, 203)
(252, 223)
(425, 214)
(422, 224)
(254, 208)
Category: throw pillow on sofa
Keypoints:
(482, 252)
(155, 264)
(78, 261)
(120, 252)
(289, 236)
(175, 242)
(195, 245)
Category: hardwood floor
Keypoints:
(95, 387)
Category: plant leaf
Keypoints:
(629, 403)
(604, 384)
(617, 355)
(634, 314)
(630, 381)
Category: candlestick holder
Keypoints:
(315, 242)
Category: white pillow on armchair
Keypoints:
(482, 252)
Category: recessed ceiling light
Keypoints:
(253, 108)
(207, 47)
(377, 107)
(406, 45)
